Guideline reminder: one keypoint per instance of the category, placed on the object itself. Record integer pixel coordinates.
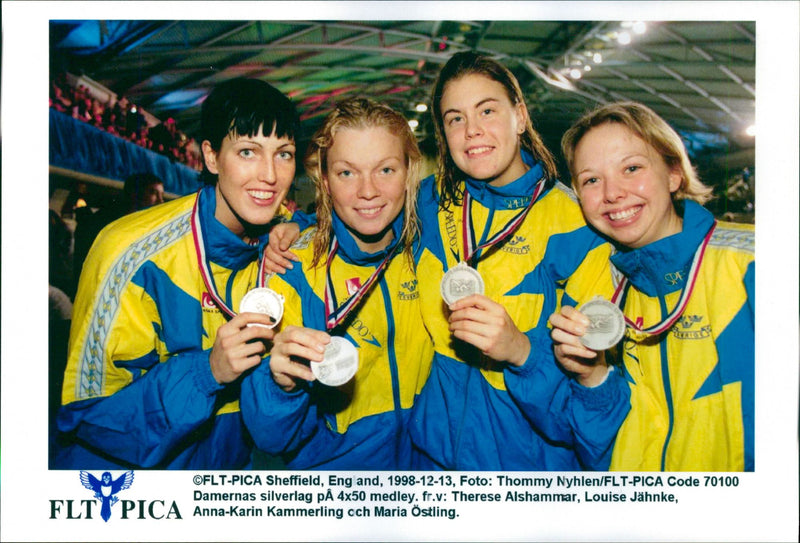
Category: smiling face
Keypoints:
(483, 127)
(625, 187)
(365, 176)
(254, 176)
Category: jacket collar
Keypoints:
(348, 249)
(514, 195)
(662, 267)
(223, 247)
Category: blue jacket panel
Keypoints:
(138, 388)
(693, 385)
(364, 423)
(477, 414)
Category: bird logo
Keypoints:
(105, 489)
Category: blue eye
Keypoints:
(246, 153)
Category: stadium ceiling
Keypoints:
(700, 76)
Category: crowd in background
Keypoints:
(123, 118)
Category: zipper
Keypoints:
(393, 369)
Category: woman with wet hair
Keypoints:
(350, 356)
(504, 243)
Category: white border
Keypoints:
(766, 511)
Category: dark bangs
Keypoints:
(242, 106)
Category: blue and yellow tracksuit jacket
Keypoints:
(138, 388)
(692, 387)
(474, 415)
(364, 423)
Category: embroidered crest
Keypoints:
(691, 327)
(408, 290)
(673, 278)
(517, 245)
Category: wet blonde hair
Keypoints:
(359, 113)
(650, 127)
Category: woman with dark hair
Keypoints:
(157, 346)
(504, 244)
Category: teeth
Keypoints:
(477, 150)
(370, 211)
(261, 194)
(624, 214)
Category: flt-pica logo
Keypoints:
(105, 490)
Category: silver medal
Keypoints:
(459, 282)
(607, 324)
(263, 300)
(340, 363)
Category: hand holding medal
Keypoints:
(485, 324)
(306, 354)
(581, 336)
(339, 364)
(606, 324)
(459, 282)
(239, 343)
(265, 301)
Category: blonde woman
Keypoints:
(687, 294)
(354, 279)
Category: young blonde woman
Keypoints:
(353, 280)
(687, 293)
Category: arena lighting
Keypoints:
(597, 58)
(575, 73)
(750, 130)
(639, 27)
(413, 123)
(421, 108)
(551, 76)
(587, 68)
(623, 38)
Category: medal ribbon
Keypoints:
(673, 316)
(334, 315)
(205, 268)
(467, 229)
